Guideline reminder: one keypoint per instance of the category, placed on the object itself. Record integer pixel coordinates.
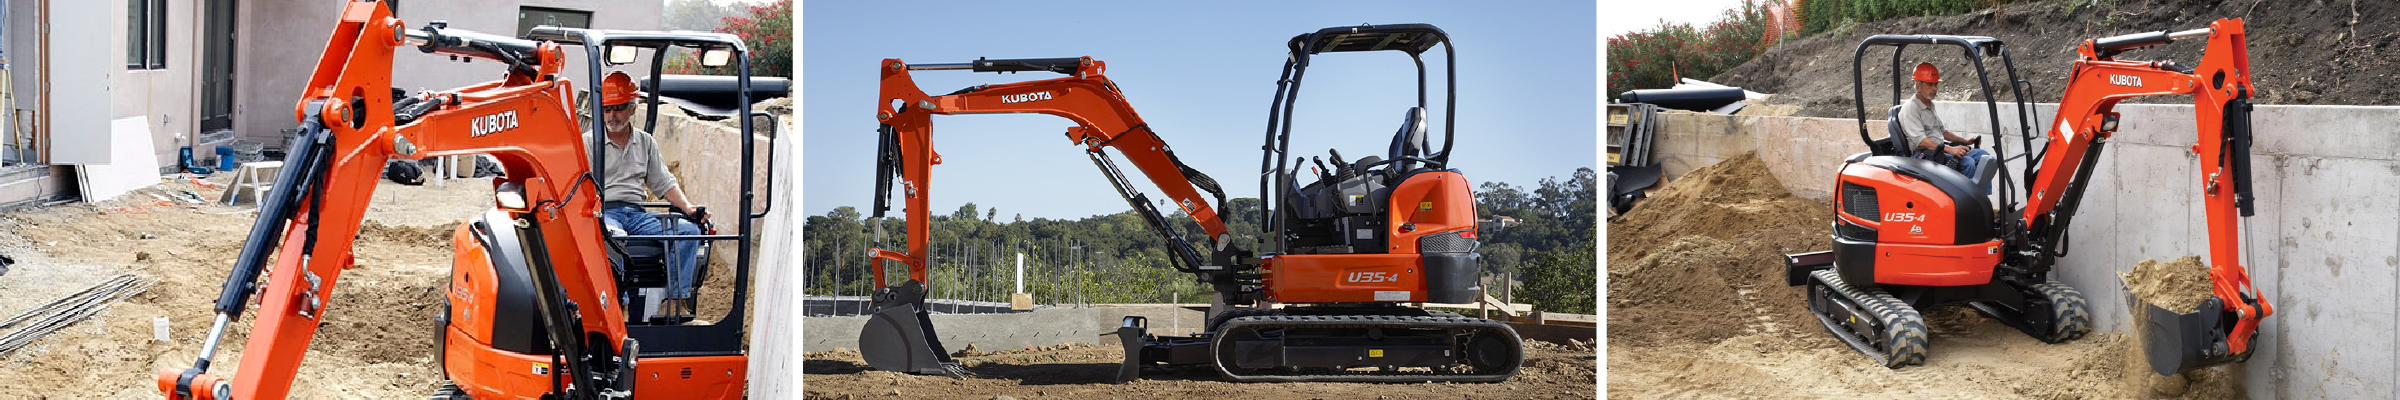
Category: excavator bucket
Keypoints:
(2177, 342)
(899, 336)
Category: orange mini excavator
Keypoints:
(1347, 251)
(541, 302)
(1909, 234)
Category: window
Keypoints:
(529, 17)
(146, 34)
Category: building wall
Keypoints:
(280, 45)
(167, 96)
(24, 58)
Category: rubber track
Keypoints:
(2068, 307)
(1368, 321)
(1904, 335)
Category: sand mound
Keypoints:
(2178, 286)
(1675, 294)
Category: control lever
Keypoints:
(1322, 172)
(1342, 169)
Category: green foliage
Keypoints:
(1117, 258)
(1824, 15)
(1563, 281)
(766, 29)
(1652, 59)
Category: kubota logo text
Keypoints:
(2125, 80)
(1372, 277)
(1024, 97)
(490, 124)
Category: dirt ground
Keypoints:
(1699, 308)
(1083, 370)
(377, 339)
(2302, 52)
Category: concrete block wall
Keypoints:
(2323, 247)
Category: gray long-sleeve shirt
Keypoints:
(633, 167)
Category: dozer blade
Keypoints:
(2177, 342)
(899, 337)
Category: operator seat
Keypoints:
(1344, 211)
(1408, 142)
(1896, 138)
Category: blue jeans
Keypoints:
(1967, 165)
(683, 256)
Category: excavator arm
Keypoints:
(899, 335)
(348, 128)
(2220, 88)
(1103, 120)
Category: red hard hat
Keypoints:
(616, 89)
(1926, 73)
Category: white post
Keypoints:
(1020, 273)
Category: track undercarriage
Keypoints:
(1378, 344)
(1890, 328)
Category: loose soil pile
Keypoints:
(2302, 52)
(1698, 308)
(1082, 370)
(2178, 286)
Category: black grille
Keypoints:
(1860, 201)
(1853, 232)
(1447, 242)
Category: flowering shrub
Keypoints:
(1652, 59)
(768, 32)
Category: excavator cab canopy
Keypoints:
(1975, 50)
(604, 46)
(1408, 149)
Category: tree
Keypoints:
(697, 15)
(965, 212)
(1563, 281)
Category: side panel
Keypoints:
(710, 377)
(1913, 211)
(1345, 278)
(1429, 203)
(1937, 265)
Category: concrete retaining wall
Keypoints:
(1044, 327)
(2322, 247)
(842, 306)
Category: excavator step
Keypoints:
(1870, 320)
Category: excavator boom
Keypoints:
(2222, 330)
(900, 337)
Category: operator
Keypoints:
(1932, 140)
(635, 171)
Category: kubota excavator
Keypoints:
(1348, 251)
(1910, 234)
(541, 303)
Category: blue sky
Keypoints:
(1201, 74)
